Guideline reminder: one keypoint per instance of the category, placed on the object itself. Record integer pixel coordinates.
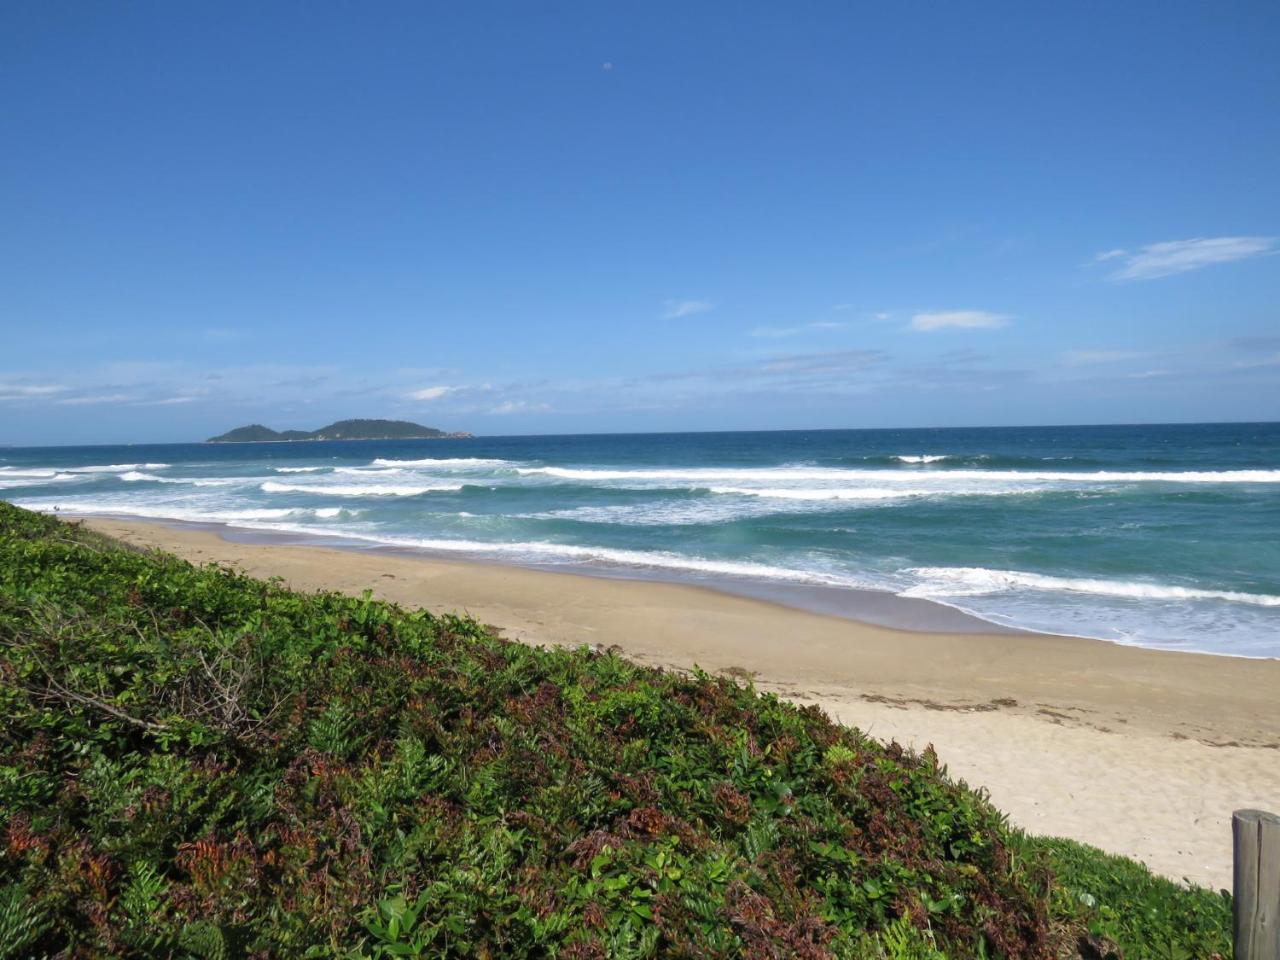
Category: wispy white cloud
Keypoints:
(780, 332)
(958, 319)
(28, 391)
(520, 406)
(846, 322)
(1272, 361)
(1081, 358)
(431, 393)
(791, 370)
(1179, 256)
(169, 401)
(93, 399)
(675, 309)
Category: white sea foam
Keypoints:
(129, 472)
(298, 469)
(979, 581)
(259, 513)
(137, 476)
(367, 471)
(33, 478)
(924, 458)
(825, 493)
(33, 472)
(845, 494)
(450, 463)
(370, 490)
(774, 474)
(682, 512)
(542, 552)
(177, 512)
(118, 467)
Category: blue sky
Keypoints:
(564, 217)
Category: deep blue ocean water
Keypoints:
(1164, 536)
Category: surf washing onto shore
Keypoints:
(1161, 536)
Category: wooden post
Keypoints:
(1257, 884)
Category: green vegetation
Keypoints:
(195, 763)
(1122, 901)
(257, 433)
(341, 430)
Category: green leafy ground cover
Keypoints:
(195, 763)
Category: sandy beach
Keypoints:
(1140, 752)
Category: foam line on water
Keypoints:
(861, 493)
(978, 581)
(370, 490)
(33, 472)
(118, 467)
(542, 551)
(691, 511)
(449, 463)
(140, 476)
(32, 479)
(768, 474)
(172, 512)
(532, 551)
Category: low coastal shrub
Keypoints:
(195, 763)
(1125, 903)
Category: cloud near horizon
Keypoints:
(519, 406)
(28, 391)
(958, 319)
(431, 393)
(675, 309)
(1180, 256)
(1080, 358)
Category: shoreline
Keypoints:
(861, 604)
(865, 605)
(1140, 752)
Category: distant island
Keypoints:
(341, 430)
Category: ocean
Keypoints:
(1161, 536)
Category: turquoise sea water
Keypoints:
(1163, 536)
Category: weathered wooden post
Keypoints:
(1257, 884)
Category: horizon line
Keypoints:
(659, 433)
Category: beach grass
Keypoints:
(196, 763)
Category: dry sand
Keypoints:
(1140, 752)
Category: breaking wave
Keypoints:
(768, 474)
(118, 467)
(192, 514)
(370, 490)
(451, 463)
(978, 581)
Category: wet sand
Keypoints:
(1140, 752)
